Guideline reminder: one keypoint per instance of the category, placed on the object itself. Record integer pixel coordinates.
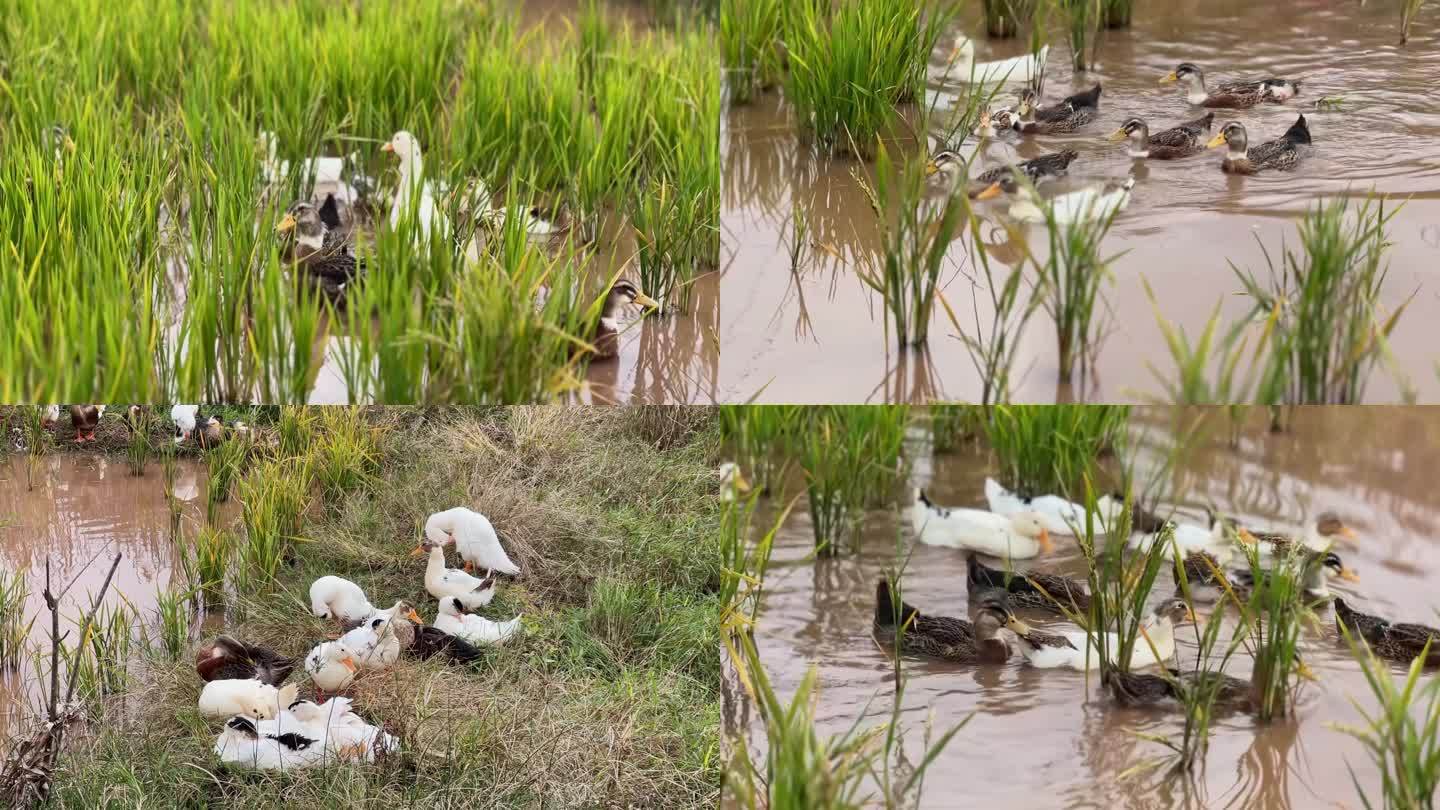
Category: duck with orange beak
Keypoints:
(440, 581)
(331, 666)
(1017, 536)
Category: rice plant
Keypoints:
(225, 463)
(1401, 734)
(1117, 13)
(761, 437)
(172, 615)
(1082, 20)
(1409, 10)
(1207, 371)
(750, 34)
(916, 240)
(1003, 17)
(14, 630)
(32, 423)
(296, 429)
(101, 659)
(744, 563)
(348, 457)
(952, 424)
(850, 65)
(1048, 449)
(274, 496)
(1070, 281)
(1330, 328)
(137, 448)
(1274, 615)
(850, 457)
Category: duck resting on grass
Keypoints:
(479, 630)
(942, 637)
(226, 658)
(1395, 641)
(440, 582)
(331, 666)
(1019, 536)
(1230, 95)
(245, 696)
(607, 332)
(184, 418)
(346, 737)
(1072, 649)
(474, 538)
(340, 600)
(1181, 140)
(1282, 154)
(85, 419)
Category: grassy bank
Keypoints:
(611, 696)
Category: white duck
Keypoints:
(337, 598)
(474, 538)
(373, 644)
(1019, 536)
(440, 582)
(453, 619)
(227, 697)
(331, 666)
(328, 173)
(184, 418)
(415, 193)
(283, 744)
(963, 67)
(1073, 649)
(1057, 515)
(346, 736)
(1085, 205)
(1190, 538)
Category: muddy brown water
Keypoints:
(1034, 739)
(818, 335)
(82, 509)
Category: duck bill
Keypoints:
(741, 485)
(348, 663)
(992, 191)
(1347, 532)
(1169, 78)
(1349, 575)
(418, 551)
(1218, 140)
(414, 617)
(69, 144)
(1245, 536)
(1119, 135)
(646, 301)
(1018, 627)
(1045, 545)
(286, 225)
(388, 147)
(931, 168)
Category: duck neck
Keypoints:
(1195, 91)
(412, 174)
(1140, 143)
(436, 565)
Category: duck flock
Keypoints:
(1028, 116)
(267, 726)
(190, 426)
(1015, 527)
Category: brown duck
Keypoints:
(226, 658)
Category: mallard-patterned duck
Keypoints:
(1319, 535)
(942, 636)
(85, 419)
(423, 641)
(1002, 178)
(1035, 590)
(226, 658)
(1230, 95)
(607, 332)
(1320, 568)
(1068, 116)
(324, 253)
(1141, 519)
(1397, 641)
(1139, 689)
(1281, 154)
(1181, 140)
(1204, 577)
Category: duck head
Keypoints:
(302, 221)
(1233, 134)
(624, 293)
(1029, 524)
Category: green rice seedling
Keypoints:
(296, 429)
(224, 464)
(1118, 13)
(14, 630)
(285, 325)
(103, 655)
(1402, 733)
(273, 496)
(1070, 281)
(850, 65)
(1053, 448)
(347, 458)
(1003, 17)
(137, 447)
(750, 34)
(1082, 20)
(1212, 353)
(916, 240)
(993, 346)
(1273, 617)
(1330, 331)
(849, 456)
(744, 563)
(761, 436)
(952, 423)
(1409, 10)
(32, 422)
(172, 614)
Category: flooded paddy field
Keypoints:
(532, 187)
(1048, 738)
(817, 332)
